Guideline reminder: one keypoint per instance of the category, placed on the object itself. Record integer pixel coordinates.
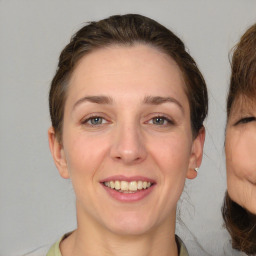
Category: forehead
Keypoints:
(243, 104)
(140, 65)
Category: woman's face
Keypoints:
(127, 140)
(241, 155)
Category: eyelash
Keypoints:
(165, 119)
(245, 120)
(87, 120)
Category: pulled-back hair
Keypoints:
(127, 30)
(240, 223)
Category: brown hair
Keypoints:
(243, 69)
(127, 30)
(240, 223)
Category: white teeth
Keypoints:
(124, 185)
(127, 187)
(133, 186)
(117, 185)
(112, 184)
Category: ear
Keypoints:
(196, 154)
(58, 153)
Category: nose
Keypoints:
(128, 145)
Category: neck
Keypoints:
(91, 239)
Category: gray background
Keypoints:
(36, 205)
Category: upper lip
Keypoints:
(128, 179)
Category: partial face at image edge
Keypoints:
(240, 150)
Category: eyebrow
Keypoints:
(150, 100)
(158, 100)
(94, 99)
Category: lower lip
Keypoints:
(129, 197)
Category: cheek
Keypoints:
(172, 154)
(84, 154)
(241, 156)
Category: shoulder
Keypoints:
(181, 247)
(55, 248)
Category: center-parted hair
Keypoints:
(127, 30)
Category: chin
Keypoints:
(127, 225)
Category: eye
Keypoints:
(160, 120)
(94, 121)
(245, 120)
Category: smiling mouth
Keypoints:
(128, 187)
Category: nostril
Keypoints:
(128, 158)
(127, 147)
